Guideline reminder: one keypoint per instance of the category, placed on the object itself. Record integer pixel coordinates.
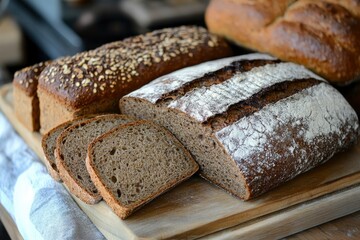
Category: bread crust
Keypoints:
(121, 210)
(321, 35)
(261, 125)
(102, 76)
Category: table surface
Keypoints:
(347, 227)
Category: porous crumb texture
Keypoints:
(253, 127)
(26, 101)
(137, 162)
(48, 144)
(98, 78)
(322, 35)
(71, 150)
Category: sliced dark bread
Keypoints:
(135, 163)
(71, 150)
(48, 144)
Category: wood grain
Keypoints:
(196, 208)
(344, 228)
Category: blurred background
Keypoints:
(32, 31)
(36, 30)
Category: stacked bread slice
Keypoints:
(115, 157)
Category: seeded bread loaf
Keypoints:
(251, 122)
(322, 35)
(48, 144)
(135, 163)
(71, 150)
(94, 81)
(26, 102)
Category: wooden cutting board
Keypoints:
(197, 209)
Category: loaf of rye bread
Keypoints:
(94, 81)
(25, 99)
(251, 122)
(322, 35)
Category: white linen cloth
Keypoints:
(40, 206)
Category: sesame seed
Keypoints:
(211, 44)
(108, 66)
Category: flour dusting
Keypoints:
(205, 102)
(290, 136)
(153, 91)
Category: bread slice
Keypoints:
(48, 144)
(71, 150)
(135, 163)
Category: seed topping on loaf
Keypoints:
(114, 65)
(27, 78)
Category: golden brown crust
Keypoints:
(121, 210)
(94, 81)
(322, 35)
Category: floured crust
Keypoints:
(267, 123)
(121, 210)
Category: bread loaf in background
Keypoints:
(251, 122)
(25, 99)
(94, 81)
(322, 35)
